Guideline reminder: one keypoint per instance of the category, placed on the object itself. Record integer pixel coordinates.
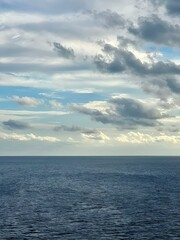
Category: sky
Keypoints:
(80, 77)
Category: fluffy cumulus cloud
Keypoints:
(27, 101)
(90, 72)
(125, 113)
(141, 138)
(95, 136)
(117, 60)
(167, 89)
(157, 77)
(28, 137)
(158, 31)
(55, 104)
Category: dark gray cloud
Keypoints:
(117, 60)
(174, 85)
(108, 18)
(164, 89)
(157, 78)
(172, 6)
(16, 125)
(74, 129)
(67, 128)
(89, 131)
(63, 52)
(157, 31)
(125, 113)
(125, 42)
(128, 107)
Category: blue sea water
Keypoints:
(89, 198)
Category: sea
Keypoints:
(73, 198)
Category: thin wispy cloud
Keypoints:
(63, 52)
(16, 125)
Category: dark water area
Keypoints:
(89, 198)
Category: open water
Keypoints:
(89, 198)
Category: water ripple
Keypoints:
(92, 198)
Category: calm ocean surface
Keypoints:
(89, 198)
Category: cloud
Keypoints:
(95, 136)
(74, 29)
(63, 52)
(28, 137)
(27, 101)
(55, 104)
(157, 31)
(132, 108)
(85, 25)
(68, 128)
(125, 113)
(108, 19)
(18, 125)
(74, 129)
(174, 85)
(172, 6)
(48, 7)
(117, 60)
(65, 46)
(124, 42)
(166, 89)
(29, 114)
(171, 129)
(10, 50)
(42, 68)
(141, 138)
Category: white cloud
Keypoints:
(102, 106)
(71, 140)
(171, 120)
(5, 115)
(142, 138)
(27, 101)
(95, 136)
(23, 112)
(55, 104)
(27, 137)
(81, 90)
